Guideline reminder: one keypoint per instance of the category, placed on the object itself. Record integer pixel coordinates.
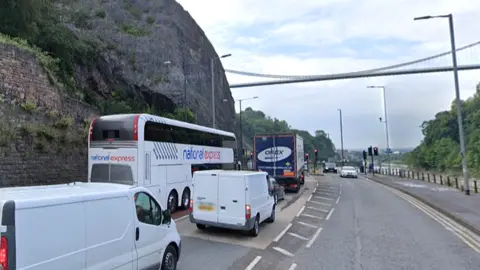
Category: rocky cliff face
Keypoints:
(147, 49)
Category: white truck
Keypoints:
(238, 200)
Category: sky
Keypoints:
(319, 37)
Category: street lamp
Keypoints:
(212, 69)
(341, 135)
(241, 127)
(457, 99)
(386, 125)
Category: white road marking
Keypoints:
(283, 251)
(253, 263)
(323, 198)
(312, 216)
(180, 218)
(310, 243)
(329, 214)
(280, 235)
(314, 190)
(318, 209)
(300, 212)
(321, 203)
(338, 199)
(293, 266)
(309, 198)
(298, 236)
(307, 224)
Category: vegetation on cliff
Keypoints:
(440, 150)
(255, 122)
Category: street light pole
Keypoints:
(463, 151)
(184, 91)
(386, 126)
(212, 70)
(341, 136)
(241, 127)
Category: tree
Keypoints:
(440, 150)
(256, 122)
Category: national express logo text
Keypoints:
(200, 154)
(113, 158)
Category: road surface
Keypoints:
(338, 224)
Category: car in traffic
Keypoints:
(278, 190)
(330, 167)
(348, 172)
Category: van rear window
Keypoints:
(113, 173)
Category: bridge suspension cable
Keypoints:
(361, 72)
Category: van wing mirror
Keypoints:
(167, 217)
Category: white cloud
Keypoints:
(270, 36)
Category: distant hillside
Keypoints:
(255, 122)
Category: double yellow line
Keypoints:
(467, 236)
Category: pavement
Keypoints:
(450, 201)
(339, 224)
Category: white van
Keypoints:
(238, 200)
(85, 226)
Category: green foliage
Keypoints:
(150, 20)
(256, 122)
(100, 13)
(29, 106)
(134, 31)
(64, 122)
(7, 131)
(36, 27)
(440, 150)
(182, 115)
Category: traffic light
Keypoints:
(364, 155)
(306, 157)
(316, 153)
(370, 151)
(375, 151)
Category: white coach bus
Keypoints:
(158, 153)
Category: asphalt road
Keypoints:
(337, 224)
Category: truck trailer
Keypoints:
(282, 156)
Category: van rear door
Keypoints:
(231, 199)
(205, 197)
(113, 165)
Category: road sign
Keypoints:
(388, 151)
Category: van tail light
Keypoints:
(248, 212)
(293, 185)
(4, 253)
(190, 207)
(91, 129)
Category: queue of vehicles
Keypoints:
(142, 168)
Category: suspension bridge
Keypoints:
(411, 67)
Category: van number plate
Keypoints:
(206, 207)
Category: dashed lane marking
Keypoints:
(253, 263)
(293, 266)
(300, 212)
(318, 209)
(298, 236)
(280, 235)
(309, 198)
(323, 198)
(338, 199)
(330, 214)
(310, 243)
(283, 251)
(307, 224)
(312, 216)
(320, 203)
